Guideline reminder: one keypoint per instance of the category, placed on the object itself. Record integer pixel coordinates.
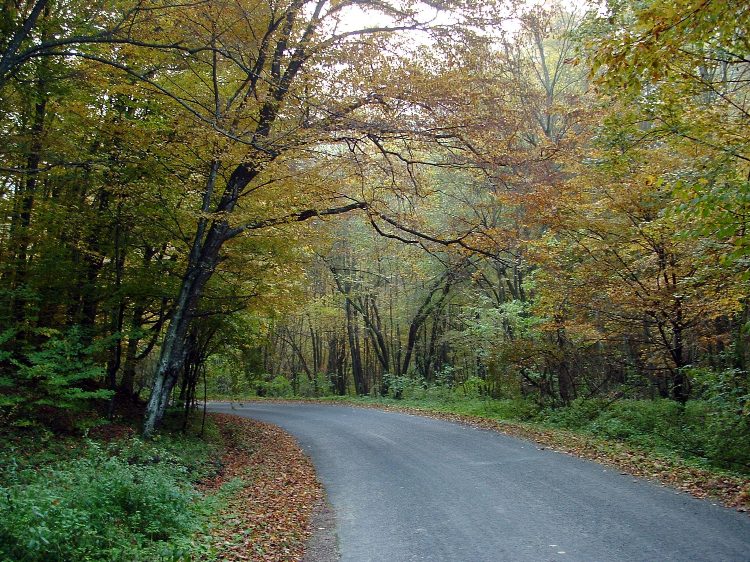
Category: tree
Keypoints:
(259, 69)
(685, 65)
(624, 271)
(260, 83)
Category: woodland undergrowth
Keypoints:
(240, 491)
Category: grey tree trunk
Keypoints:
(173, 350)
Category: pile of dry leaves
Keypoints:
(273, 494)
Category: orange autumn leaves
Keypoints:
(267, 518)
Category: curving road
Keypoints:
(409, 488)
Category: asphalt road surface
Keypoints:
(409, 488)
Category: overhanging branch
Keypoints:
(300, 216)
(421, 237)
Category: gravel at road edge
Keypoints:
(322, 546)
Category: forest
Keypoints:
(537, 211)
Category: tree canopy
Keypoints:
(357, 196)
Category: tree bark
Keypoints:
(21, 223)
(353, 334)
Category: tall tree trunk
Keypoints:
(336, 356)
(173, 350)
(680, 381)
(127, 383)
(127, 386)
(566, 386)
(21, 222)
(423, 313)
(353, 334)
(203, 259)
(118, 320)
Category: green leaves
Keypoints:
(99, 507)
(62, 373)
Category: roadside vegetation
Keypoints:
(702, 431)
(109, 495)
(710, 432)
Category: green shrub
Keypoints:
(714, 431)
(613, 428)
(446, 377)
(277, 387)
(405, 387)
(225, 379)
(439, 393)
(654, 419)
(471, 387)
(578, 415)
(316, 388)
(723, 417)
(701, 429)
(518, 409)
(720, 434)
(98, 507)
(394, 385)
(60, 376)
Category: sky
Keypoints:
(356, 17)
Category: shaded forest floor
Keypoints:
(243, 490)
(728, 488)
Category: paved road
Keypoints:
(411, 488)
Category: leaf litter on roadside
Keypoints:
(274, 491)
